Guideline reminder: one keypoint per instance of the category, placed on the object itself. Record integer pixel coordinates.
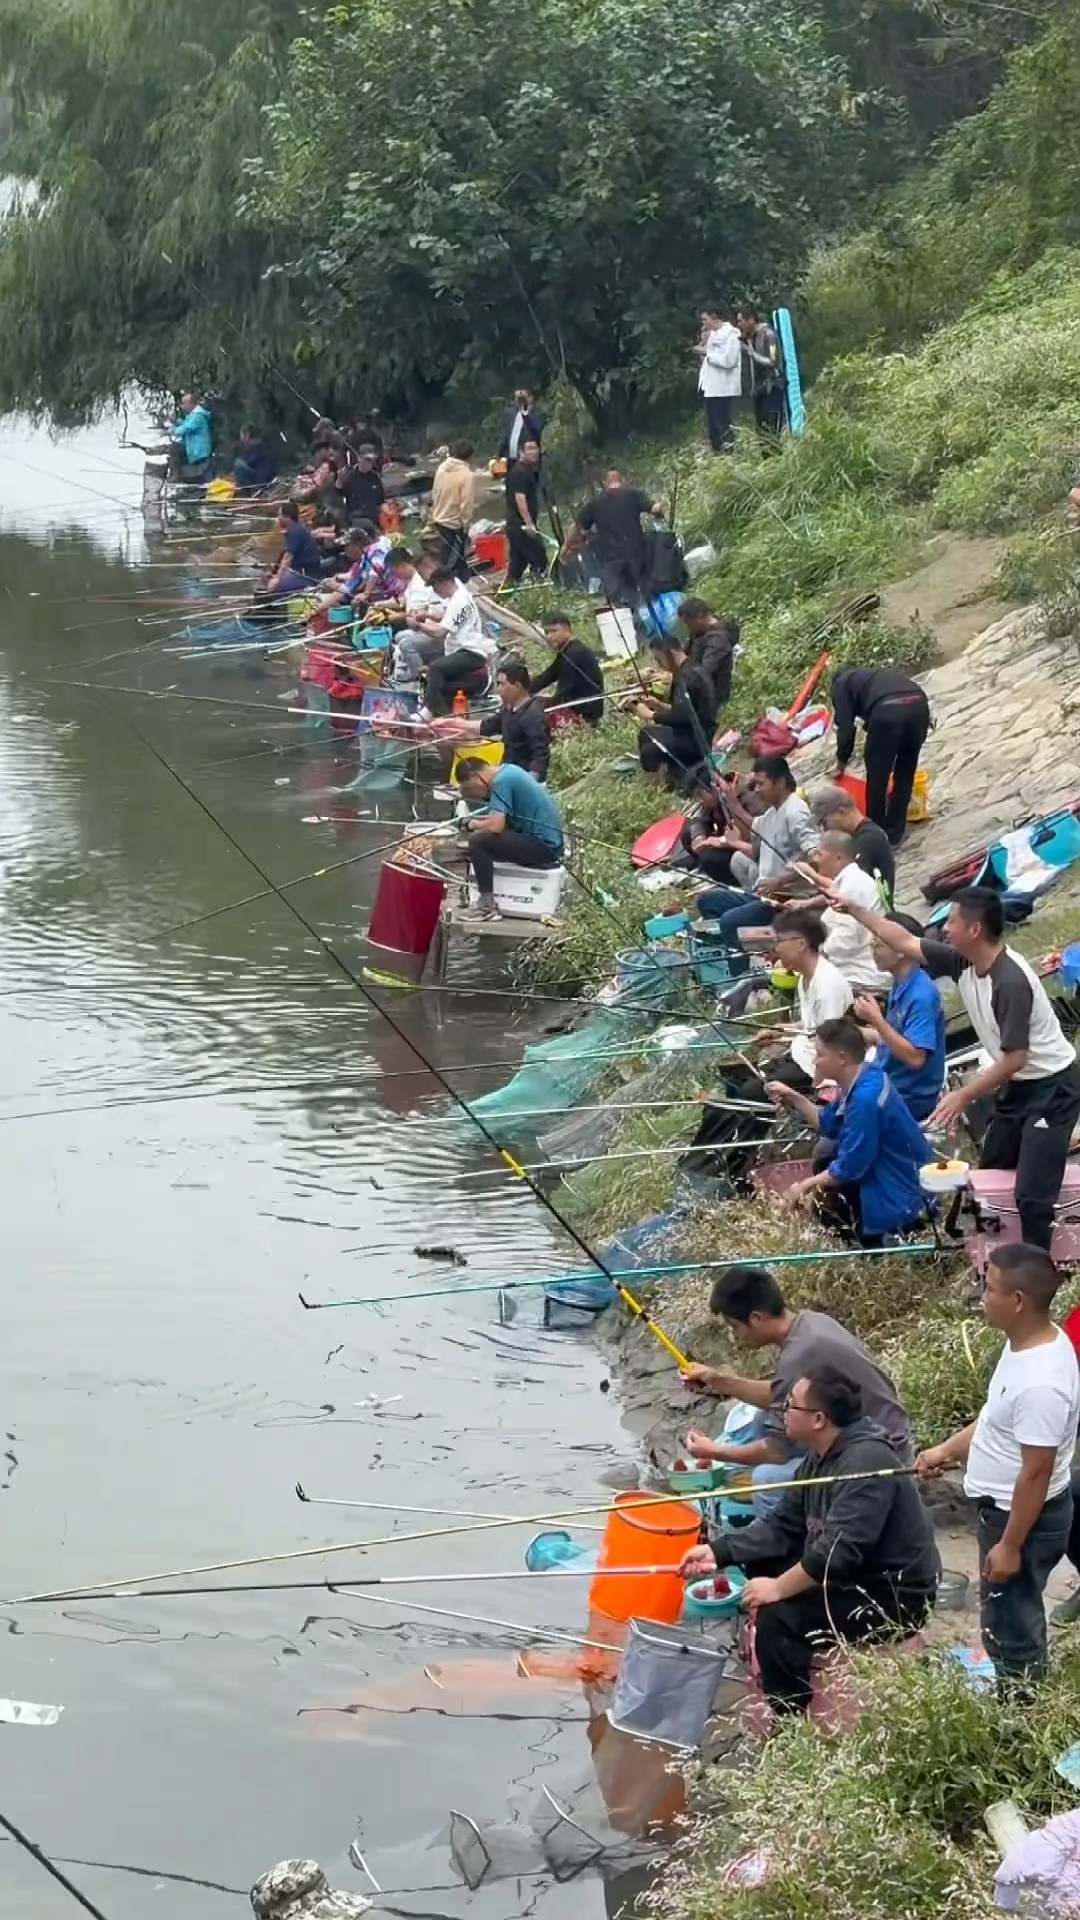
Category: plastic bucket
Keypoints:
(406, 911)
(654, 1535)
(489, 751)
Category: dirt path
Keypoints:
(950, 592)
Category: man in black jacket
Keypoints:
(712, 645)
(520, 720)
(676, 738)
(854, 1558)
(896, 714)
(576, 674)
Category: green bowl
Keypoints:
(697, 1479)
(700, 1602)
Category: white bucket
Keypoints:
(618, 633)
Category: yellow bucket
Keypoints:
(489, 750)
(919, 804)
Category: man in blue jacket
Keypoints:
(911, 1031)
(870, 1187)
(191, 441)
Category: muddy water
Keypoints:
(196, 1125)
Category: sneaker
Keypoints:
(424, 714)
(1067, 1612)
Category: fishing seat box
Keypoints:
(526, 893)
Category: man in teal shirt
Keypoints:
(192, 451)
(519, 825)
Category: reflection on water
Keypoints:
(201, 1118)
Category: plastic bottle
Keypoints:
(461, 704)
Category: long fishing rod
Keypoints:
(634, 1153)
(341, 1546)
(438, 1578)
(267, 893)
(601, 1106)
(224, 321)
(640, 1273)
(395, 1506)
(635, 1306)
(31, 1847)
(485, 1620)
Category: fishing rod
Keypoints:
(635, 1153)
(601, 1106)
(635, 1306)
(267, 893)
(117, 1587)
(226, 322)
(485, 1620)
(348, 1582)
(640, 1273)
(395, 1506)
(31, 1847)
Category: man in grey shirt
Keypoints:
(751, 1301)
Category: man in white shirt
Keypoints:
(848, 943)
(422, 639)
(1019, 1453)
(469, 651)
(719, 349)
(824, 994)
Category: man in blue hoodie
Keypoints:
(870, 1187)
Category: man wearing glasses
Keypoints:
(852, 1559)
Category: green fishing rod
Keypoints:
(917, 1249)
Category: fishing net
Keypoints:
(667, 1684)
(556, 1073)
(570, 1828)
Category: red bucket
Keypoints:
(406, 912)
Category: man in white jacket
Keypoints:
(719, 349)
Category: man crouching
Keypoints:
(851, 1559)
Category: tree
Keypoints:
(551, 190)
(127, 261)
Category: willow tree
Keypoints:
(127, 260)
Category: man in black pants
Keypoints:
(527, 550)
(896, 714)
(854, 1559)
(519, 825)
(611, 522)
(1034, 1074)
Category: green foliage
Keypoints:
(132, 119)
(559, 202)
(941, 1366)
(885, 1820)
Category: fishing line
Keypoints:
(29, 1846)
(223, 319)
(635, 1306)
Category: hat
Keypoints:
(827, 801)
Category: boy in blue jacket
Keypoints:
(870, 1188)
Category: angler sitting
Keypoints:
(255, 465)
(520, 825)
(465, 665)
(765, 848)
(676, 738)
(300, 563)
(191, 442)
(751, 1302)
(576, 674)
(870, 1188)
(520, 721)
(853, 1559)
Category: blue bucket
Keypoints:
(663, 925)
(372, 639)
(340, 616)
(711, 957)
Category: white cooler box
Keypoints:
(525, 893)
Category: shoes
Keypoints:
(424, 714)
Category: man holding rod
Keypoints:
(1033, 1072)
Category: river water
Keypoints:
(197, 1125)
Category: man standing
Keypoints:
(752, 1304)
(896, 714)
(762, 349)
(611, 523)
(849, 1555)
(520, 722)
(720, 378)
(191, 442)
(870, 1188)
(576, 674)
(452, 505)
(1033, 1072)
(835, 811)
(520, 825)
(525, 422)
(1018, 1455)
(713, 645)
(910, 1033)
(527, 551)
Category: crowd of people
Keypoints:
(846, 1552)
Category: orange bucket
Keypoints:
(653, 1535)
